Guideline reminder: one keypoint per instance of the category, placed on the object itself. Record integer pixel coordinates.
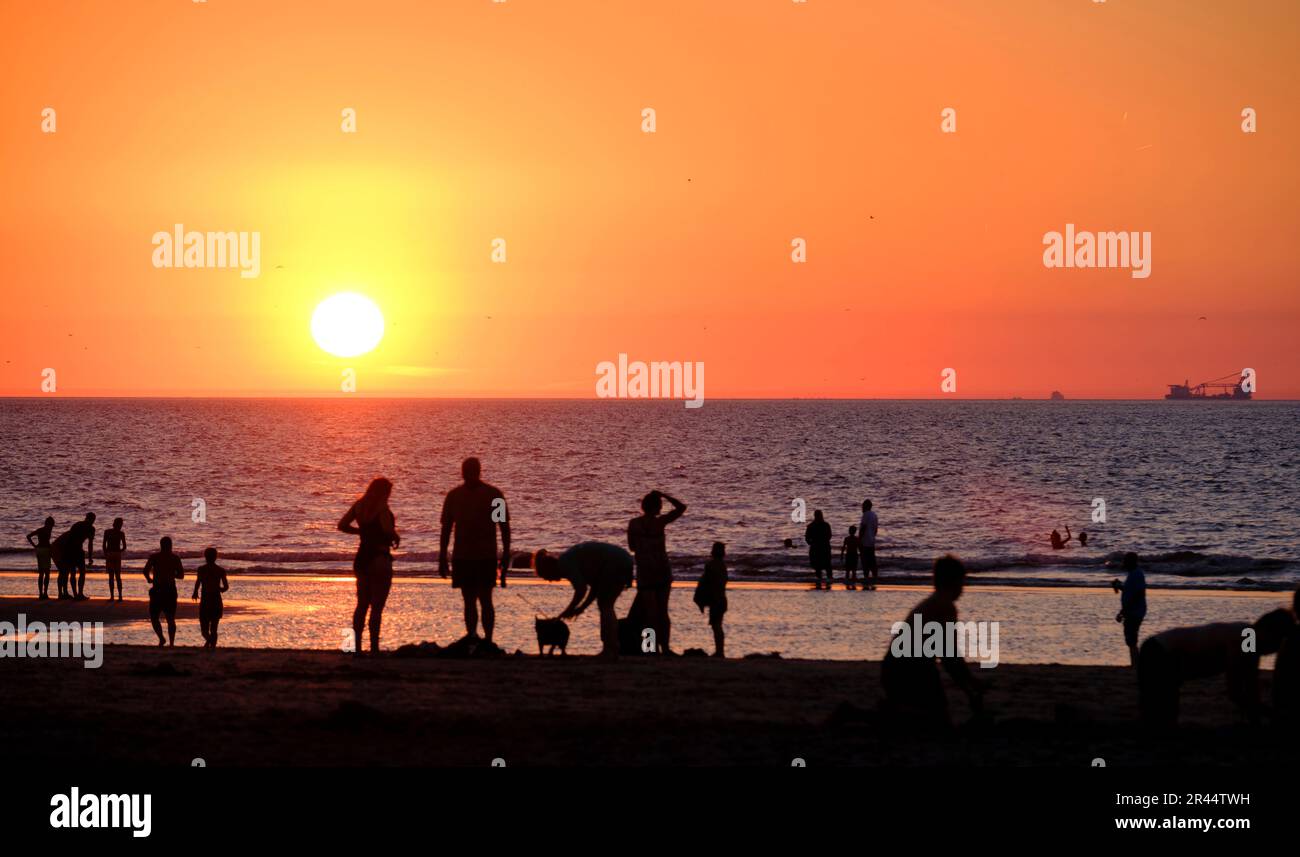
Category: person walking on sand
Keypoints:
(711, 592)
(818, 537)
(1171, 657)
(473, 511)
(162, 570)
(72, 552)
(1132, 603)
(114, 546)
(211, 578)
(867, 534)
(598, 572)
(849, 556)
(371, 519)
(910, 677)
(654, 572)
(39, 539)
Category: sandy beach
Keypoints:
(240, 707)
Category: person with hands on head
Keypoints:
(654, 572)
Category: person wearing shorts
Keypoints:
(70, 557)
(39, 539)
(211, 579)
(472, 512)
(114, 546)
(162, 570)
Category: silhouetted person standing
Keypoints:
(711, 592)
(654, 572)
(72, 552)
(372, 520)
(818, 537)
(1132, 603)
(867, 534)
(114, 546)
(598, 572)
(39, 539)
(913, 688)
(849, 556)
(211, 578)
(162, 570)
(473, 511)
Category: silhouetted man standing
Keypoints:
(475, 510)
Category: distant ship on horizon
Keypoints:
(1216, 389)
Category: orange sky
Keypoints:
(776, 120)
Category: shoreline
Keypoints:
(524, 577)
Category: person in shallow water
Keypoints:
(211, 578)
(1057, 542)
(371, 519)
(39, 539)
(598, 572)
(818, 537)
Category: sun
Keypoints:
(347, 324)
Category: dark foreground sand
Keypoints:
(235, 707)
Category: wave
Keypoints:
(791, 564)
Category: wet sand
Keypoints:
(100, 609)
(241, 707)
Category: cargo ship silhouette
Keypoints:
(1216, 389)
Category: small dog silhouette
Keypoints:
(552, 632)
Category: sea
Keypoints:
(1207, 493)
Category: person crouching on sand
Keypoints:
(598, 572)
(1171, 657)
(211, 578)
(162, 570)
(711, 592)
(1132, 603)
(913, 687)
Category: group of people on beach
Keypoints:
(858, 546)
(599, 572)
(74, 551)
(473, 513)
